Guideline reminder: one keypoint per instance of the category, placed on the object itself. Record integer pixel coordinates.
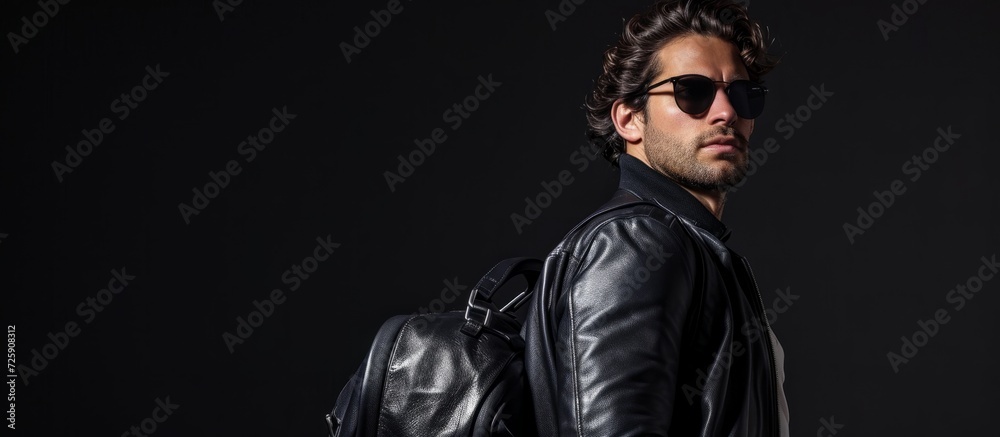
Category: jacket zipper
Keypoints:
(775, 427)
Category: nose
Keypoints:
(722, 110)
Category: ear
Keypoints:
(628, 122)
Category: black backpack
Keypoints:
(458, 373)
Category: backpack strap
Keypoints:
(481, 307)
(501, 272)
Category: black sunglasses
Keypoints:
(695, 93)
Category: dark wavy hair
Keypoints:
(631, 65)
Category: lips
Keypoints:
(724, 144)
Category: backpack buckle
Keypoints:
(476, 316)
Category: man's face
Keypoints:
(706, 151)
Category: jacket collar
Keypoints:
(650, 184)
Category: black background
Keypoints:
(324, 175)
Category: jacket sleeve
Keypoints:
(620, 321)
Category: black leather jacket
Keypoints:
(647, 324)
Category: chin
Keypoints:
(728, 177)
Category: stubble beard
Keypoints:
(678, 159)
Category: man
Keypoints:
(645, 322)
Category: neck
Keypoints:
(713, 199)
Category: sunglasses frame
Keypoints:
(727, 89)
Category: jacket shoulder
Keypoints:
(641, 221)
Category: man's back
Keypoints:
(645, 323)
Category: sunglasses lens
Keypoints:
(694, 94)
(747, 98)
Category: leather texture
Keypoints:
(458, 373)
(645, 323)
